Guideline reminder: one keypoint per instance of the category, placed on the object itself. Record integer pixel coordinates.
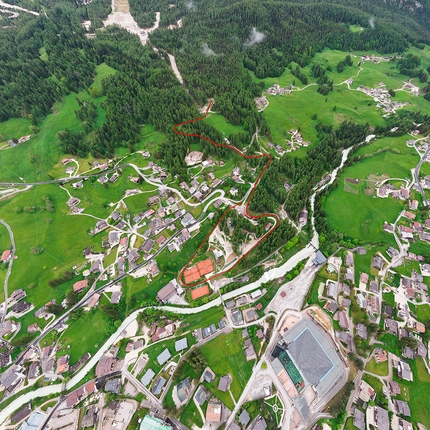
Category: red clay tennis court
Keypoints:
(200, 292)
(196, 272)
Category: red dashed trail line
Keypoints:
(265, 215)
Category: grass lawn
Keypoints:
(423, 312)
(191, 416)
(380, 369)
(13, 128)
(82, 339)
(349, 424)
(203, 319)
(225, 355)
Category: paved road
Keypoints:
(9, 269)
(417, 177)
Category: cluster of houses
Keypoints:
(382, 98)
(16, 142)
(398, 321)
(410, 229)
(276, 89)
(261, 103)
(295, 142)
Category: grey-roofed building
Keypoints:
(164, 356)
(222, 324)
(260, 424)
(183, 389)
(113, 385)
(21, 414)
(234, 426)
(208, 376)
(313, 368)
(245, 333)
(201, 395)
(241, 301)
(391, 326)
(147, 377)
(359, 419)
(378, 262)
(346, 303)
(116, 297)
(224, 383)
(361, 331)
(207, 331)
(12, 377)
(319, 258)
(33, 370)
(408, 353)
(344, 337)
(331, 306)
(394, 388)
(405, 425)
(230, 304)
(421, 350)
(343, 320)
(381, 418)
(404, 371)
(147, 246)
(244, 418)
(389, 310)
(167, 292)
(34, 421)
(158, 386)
(237, 317)
(346, 289)
(181, 344)
(302, 406)
(402, 408)
(373, 286)
(314, 355)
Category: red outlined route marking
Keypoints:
(266, 215)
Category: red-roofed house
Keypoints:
(80, 285)
(93, 301)
(161, 239)
(6, 255)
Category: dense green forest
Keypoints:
(217, 47)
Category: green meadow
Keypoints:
(222, 125)
(354, 209)
(61, 237)
(297, 109)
